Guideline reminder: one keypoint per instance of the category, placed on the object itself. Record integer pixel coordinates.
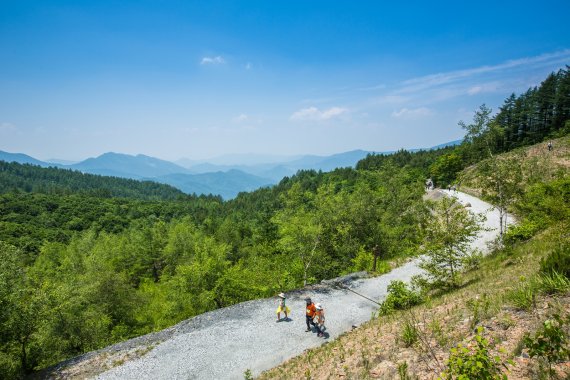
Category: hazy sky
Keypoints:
(198, 79)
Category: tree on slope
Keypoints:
(449, 232)
(300, 230)
(501, 183)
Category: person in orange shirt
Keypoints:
(310, 313)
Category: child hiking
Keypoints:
(320, 319)
(282, 307)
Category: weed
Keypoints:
(553, 283)
(506, 322)
(247, 375)
(558, 261)
(479, 307)
(403, 371)
(409, 333)
(437, 331)
(523, 296)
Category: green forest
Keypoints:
(87, 261)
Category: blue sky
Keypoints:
(199, 79)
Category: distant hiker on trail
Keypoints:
(549, 146)
(282, 308)
(320, 320)
(310, 313)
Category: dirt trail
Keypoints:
(224, 343)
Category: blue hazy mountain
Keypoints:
(227, 184)
(226, 175)
(277, 170)
(445, 145)
(23, 159)
(127, 166)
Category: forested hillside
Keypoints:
(34, 179)
(87, 261)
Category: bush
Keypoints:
(474, 361)
(521, 232)
(550, 342)
(558, 261)
(400, 297)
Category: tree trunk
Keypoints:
(376, 252)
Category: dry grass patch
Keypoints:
(384, 348)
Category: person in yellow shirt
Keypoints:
(282, 307)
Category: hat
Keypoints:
(281, 295)
(319, 306)
(307, 298)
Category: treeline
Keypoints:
(540, 113)
(27, 220)
(34, 179)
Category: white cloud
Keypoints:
(412, 113)
(218, 60)
(435, 80)
(484, 88)
(240, 118)
(313, 113)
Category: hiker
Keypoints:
(549, 146)
(282, 307)
(320, 320)
(310, 313)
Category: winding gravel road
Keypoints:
(224, 343)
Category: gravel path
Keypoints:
(224, 343)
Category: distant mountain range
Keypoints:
(218, 177)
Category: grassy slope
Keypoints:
(376, 349)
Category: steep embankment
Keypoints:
(223, 344)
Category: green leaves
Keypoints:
(551, 341)
(475, 361)
(449, 232)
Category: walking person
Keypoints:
(310, 311)
(320, 319)
(282, 307)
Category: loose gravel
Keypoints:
(224, 343)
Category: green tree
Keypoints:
(300, 230)
(501, 183)
(449, 231)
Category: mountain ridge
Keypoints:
(205, 177)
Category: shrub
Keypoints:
(557, 261)
(521, 232)
(400, 297)
(550, 342)
(474, 361)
